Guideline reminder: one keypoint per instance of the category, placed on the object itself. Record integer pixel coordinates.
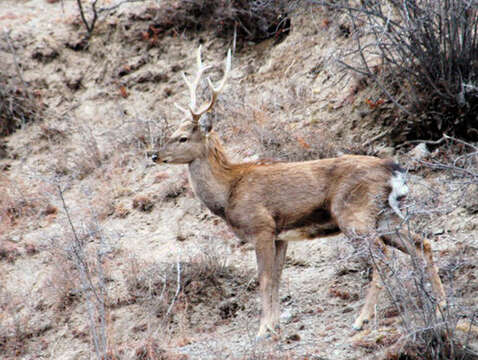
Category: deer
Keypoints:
(269, 204)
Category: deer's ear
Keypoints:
(205, 124)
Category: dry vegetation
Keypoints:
(104, 256)
(421, 54)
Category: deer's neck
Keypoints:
(211, 176)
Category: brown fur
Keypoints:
(269, 204)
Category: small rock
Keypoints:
(73, 79)
(419, 152)
(286, 316)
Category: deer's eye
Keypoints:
(183, 139)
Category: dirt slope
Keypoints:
(111, 275)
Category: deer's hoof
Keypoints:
(268, 334)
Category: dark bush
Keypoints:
(424, 56)
(250, 20)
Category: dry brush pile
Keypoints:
(422, 55)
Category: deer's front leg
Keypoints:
(280, 253)
(265, 254)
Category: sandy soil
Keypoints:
(137, 225)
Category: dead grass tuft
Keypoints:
(143, 203)
(20, 204)
(9, 251)
(178, 295)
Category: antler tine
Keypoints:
(179, 107)
(193, 86)
(215, 90)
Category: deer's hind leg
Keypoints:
(411, 243)
(380, 257)
(360, 226)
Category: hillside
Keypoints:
(104, 254)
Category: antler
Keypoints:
(196, 113)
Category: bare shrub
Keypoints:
(422, 54)
(86, 250)
(89, 24)
(140, 132)
(460, 159)
(86, 157)
(175, 295)
(18, 104)
(13, 332)
(428, 329)
(90, 20)
(143, 203)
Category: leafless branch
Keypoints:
(178, 289)
(90, 25)
(117, 5)
(15, 59)
(94, 295)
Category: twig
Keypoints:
(89, 26)
(117, 5)
(460, 141)
(379, 136)
(431, 142)
(178, 269)
(450, 167)
(289, 67)
(15, 61)
(234, 39)
(88, 284)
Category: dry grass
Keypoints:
(200, 293)
(21, 204)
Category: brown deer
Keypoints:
(271, 204)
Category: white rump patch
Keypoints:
(399, 190)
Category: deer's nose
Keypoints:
(155, 157)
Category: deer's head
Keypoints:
(187, 143)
